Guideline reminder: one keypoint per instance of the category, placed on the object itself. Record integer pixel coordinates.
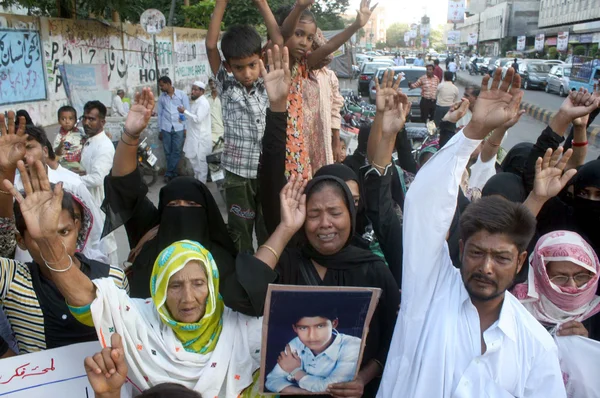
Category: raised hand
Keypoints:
(387, 90)
(41, 206)
(513, 121)
(139, 114)
(364, 13)
(293, 204)
(457, 111)
(495, 105)
(278, 79)
(12, 142)
(107, 369)
(549, 177)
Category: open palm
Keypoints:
(139, 114)
(41, 206)
(278, 78)
(549, 177)
(293, 203)
(12, 142)
(363, 14)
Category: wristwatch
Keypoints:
(292, 374)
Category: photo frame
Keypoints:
(313, 336)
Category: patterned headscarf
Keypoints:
(552, 304)
(202, 336)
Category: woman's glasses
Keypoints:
(579, 279)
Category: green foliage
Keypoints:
(552, 53)
(199, 14)
(579, 50)
(380, 45)
(395, 34)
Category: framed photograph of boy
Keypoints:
(313, 337)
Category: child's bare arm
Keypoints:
(362, 17)
(212, 37)
(270, 22)
(289, 25)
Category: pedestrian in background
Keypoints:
(198, 142)
(216, 113)
(171, 123)
(429, 84)
(437, 70)
(447, 94)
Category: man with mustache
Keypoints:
(459, 332)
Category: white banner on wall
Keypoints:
(472, 40)
(413, 30)
(539, 42)
(453, 38)
(521, 43)
(58, 372)
(456, 11)
(406, 38)
(425, 30)
(562, 42)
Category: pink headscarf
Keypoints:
(552, 304)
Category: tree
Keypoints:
(579, 50)
(380, 45)
(395, 34)
(199, 14)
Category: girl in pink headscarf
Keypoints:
(561, 287)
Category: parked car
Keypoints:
(411, 75)
(362, 58)
(534, 74)
(554, 62)
(558, 79)
(488, 64)
(584, 75)
(367, 71)
(410, 60)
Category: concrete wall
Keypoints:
(125, 48)
(524, 18)
(558, 12)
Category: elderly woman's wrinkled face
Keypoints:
(567, 274)
(327, 224)
(187, 293)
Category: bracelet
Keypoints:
(126, 143)
(269, 248)
(61, 270)
(578, 144)
(128, 134)
(5, 193)
(492, 144)
(47, 262)
(380, 167)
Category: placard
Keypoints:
(22, 68)
(521, 43)
(85, 83)
(453, 38)
(313, 336)
(562, 41)
(58, 372)
(539, 42)
(425, 43)
(413, 30)
(456, 11)
(406, 38)
(472, 40)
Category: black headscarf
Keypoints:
(340, 171)
(350, 256)
(508, 185)
(201, 224)
(516, 159)
(587, 212)
(25, 114)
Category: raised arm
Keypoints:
(270, 22)
(385, 95)
(493, 142)
(436, 187)
(580, 142)
(12, 149)
(289, 24)
(125, 160)
(362, 17)
(41, 209)
(212, 36)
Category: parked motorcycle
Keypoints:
(147, 163)
(422, 136)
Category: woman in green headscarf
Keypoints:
(184, 333)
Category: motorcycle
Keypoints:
(216, 173)
(147, 163)
(422, 136)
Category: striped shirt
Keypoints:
(428, 86)
(244, 120)
(36, 310)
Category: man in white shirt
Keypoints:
(452, 67)
(97, 157)
(216, 113)
(459, 332)
(118, 107)
(198, 143)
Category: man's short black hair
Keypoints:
(165, 80)
(429, 66)
(448, 76)
(497, 215)
(66, 108)
(36, 133)
(436, 61)
(68, 203)
(240, 41)
(326, 313)
(90, 105)
(168, 390)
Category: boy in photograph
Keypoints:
(317, 357)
